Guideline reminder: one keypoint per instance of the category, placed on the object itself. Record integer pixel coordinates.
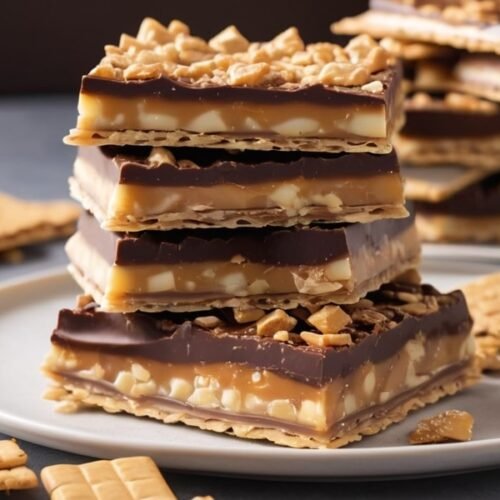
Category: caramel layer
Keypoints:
(238, 391)
(292, 119)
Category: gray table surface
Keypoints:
(35, 164)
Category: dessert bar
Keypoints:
(296, 378)
(471, 214)
(243, 267)
(137, 188)
(454, 129)
(167, 87)
(463, 24)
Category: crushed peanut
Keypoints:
(325, 340)
(329, 319)
(230, 59)
(451, 425)
(207, 321)
(247, 315)
(273, 322)
(282, 336)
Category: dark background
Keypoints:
(48, 44)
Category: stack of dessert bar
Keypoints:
(244, 235)
(452, 52)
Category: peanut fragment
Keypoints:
(247, 315)
(326, 340)
(229, 41)
(247, 74)
(282, 336)
(451, 425)
(207, 321)
(329, 319)
(274, 322)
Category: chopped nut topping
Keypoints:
(451, 425)
(274, 322)
(329, 319)
(247, 315)
(230, 59)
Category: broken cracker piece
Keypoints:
(13, 473)
(11, 455)
(18, 478)
(25, 222)
(451, 425)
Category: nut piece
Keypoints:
(229, 41)
(140, 373)
(207, 321)
(325, 340)
(247, 74)
(451, 425)
(282, 409)
(282, 336)
(329, 319)
(274, 322)
(374, 87)
(247, 315)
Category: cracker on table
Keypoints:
(14, 475)
(25, 222)
(11, 455)
(18, 478)
(136, 478)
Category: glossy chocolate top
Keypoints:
(209, 167)
(378, 331)
(480, 199)
(167, 88)
(312, 245)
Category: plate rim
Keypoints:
(42, 433)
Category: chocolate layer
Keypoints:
(445, 122)
(174, 338)
(480, 199)
(312, 245)
(208, 167)
(178, 90)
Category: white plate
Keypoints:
(28, 312)
(469, 252)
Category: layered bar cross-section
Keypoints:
(246, 267)
(138, 188)
(449, 129)
(167, 87)
(294, 378)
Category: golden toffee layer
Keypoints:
(166, 87)
(138, 188)
(180, 270)
(400, 348)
